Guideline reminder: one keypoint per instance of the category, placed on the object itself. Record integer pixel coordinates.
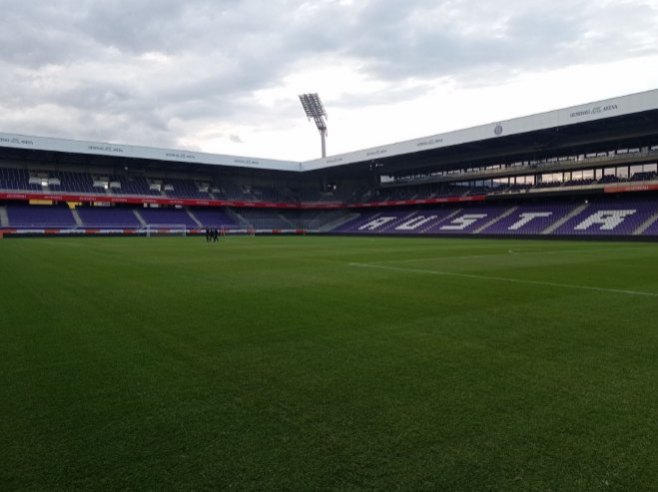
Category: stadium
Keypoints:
(589, 170)
(472, 310)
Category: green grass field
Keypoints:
(311, 363)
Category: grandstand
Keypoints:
(583, 171)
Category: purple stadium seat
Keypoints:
(609, 217)
(39, 216)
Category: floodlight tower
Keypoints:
(314, 110)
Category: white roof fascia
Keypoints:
(634, 103)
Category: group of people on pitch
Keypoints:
(212, 235)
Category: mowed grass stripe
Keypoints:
(504, 279)
(270, 363)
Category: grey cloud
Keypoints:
(398, 40)
(132, 26)
(394, 48)
(87, 57)
(390, 96)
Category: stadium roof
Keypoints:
(138, 152)
(575, 115)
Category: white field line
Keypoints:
(505, 279)
(507, 253)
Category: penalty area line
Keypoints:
(521, 252)
(504, 279)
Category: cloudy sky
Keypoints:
(223, 76)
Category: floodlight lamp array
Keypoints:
(312, 106)
(315, 110)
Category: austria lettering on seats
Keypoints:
(527, 217)
(415, 223)
(463, 222)
(607, 220)
(535, 221)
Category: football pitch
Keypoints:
(306, 363)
